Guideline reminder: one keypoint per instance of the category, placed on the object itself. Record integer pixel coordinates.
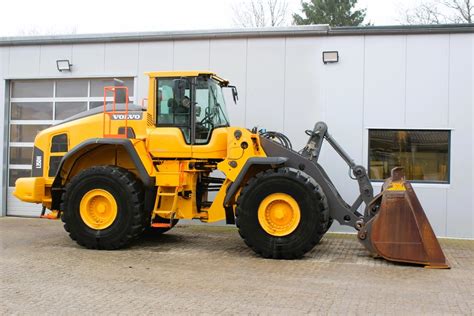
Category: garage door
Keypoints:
(35, 105)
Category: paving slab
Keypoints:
(209, 270)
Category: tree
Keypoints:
(260, 13)
(425, 13)
(440, 12)
(332, 12)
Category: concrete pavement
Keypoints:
(209, 270)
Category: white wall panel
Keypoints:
(4, 52)
(152, 56)
(191, 55)
(303, 106)
(265, 83)
(472, 132)
(24, 61)
(343, 110)
(121, 58)
(88, 59)
(427, 81)
(49, 55)
(459, 204)
(228, 58)
(4, 61)
(384, 81)
(342, 97)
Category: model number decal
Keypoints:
(38, 162)
(130, 116)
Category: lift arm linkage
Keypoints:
(313, 149)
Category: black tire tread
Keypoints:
(312, 186)
(135, 195)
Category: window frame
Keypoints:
(430, 182)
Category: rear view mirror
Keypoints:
(198, 110)
(235, 94)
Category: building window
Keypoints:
(423, 153)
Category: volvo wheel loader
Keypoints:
(112, 173)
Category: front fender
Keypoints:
(254, 161)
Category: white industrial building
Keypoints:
(395, 94)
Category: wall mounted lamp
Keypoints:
(330, 57)
(63, 65)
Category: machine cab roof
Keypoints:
(177, 74)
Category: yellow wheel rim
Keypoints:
(98, 209)
(279, 214)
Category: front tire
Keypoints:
(103, 208)
(282, 214)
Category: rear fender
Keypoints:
(127, 153)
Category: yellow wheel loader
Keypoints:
(112, 173)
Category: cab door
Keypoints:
(172, 137)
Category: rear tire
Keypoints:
(103, 208)
(296, 187)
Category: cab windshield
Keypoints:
(210, 108)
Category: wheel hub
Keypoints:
(98, 209)
(279, 214)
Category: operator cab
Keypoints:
(194, 103)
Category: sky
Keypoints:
(28, 17)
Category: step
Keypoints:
(167, 194)
(161, 225)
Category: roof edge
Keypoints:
(293, 31)
(402, 29)
(166, 35)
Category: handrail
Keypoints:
(113, 114)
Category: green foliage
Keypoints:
(332, 12)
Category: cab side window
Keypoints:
(174, 106)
